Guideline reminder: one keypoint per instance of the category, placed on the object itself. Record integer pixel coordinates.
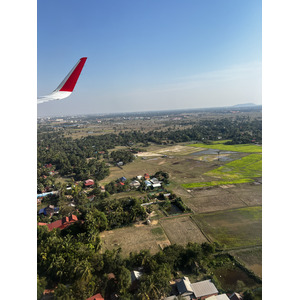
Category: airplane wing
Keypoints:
(66, 87)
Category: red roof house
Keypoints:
(61, 224)
(96, 297)
(146, 176)
(89, 182)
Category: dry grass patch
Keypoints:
(182, 230)
(135, 238)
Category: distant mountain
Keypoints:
(244, 105)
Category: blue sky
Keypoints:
(149, 55)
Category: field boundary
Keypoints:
(202, 231)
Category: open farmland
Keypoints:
(235, 172)
(247, 148)
(182, 230)
(135, 238)
(251, 258)
(223, 197)
(233, 228)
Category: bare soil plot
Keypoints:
(170, 150)
(135, 238)
(233, 228)
(214, 199)
(224, 197)
(182, 230)
(251, 194)
(251, 258)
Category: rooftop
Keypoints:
(204, 288)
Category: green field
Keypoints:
(247, 148)
(247, 167)
(235, 172)
(251, 258)
(233, 228)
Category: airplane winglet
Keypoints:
(66, 87)
(68, 84)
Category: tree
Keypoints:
(124, 280)
(41, 285)
(248, 295)
(62, 292)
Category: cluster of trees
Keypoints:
(55, 148)
(70, 155)
(71, 261)
(122, 212)
(122, 155)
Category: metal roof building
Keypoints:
(184, 287)
(204, 288)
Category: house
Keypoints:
(120, 163)
(49, 210)
(61, 224)
(148, 183)
(139, 177)
(96, 297)
(123, 179)
(135, 184)
(155, 185)
(122, 183)
(135, 275)
(184, 287)
(146, 176)
(218, 297)
(235, 296)
(89, 182)
(204, 289)
(154, 180)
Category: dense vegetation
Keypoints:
(72, 260)
(80, 157)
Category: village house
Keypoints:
(204, 289)
(135, 183)
(148, 183)
(61, 224)
(146, 176)
(184, 287)
(135, 275)
(96, 297)
(49, 210)
(199, 290)
(235, 296)
(89, 182)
